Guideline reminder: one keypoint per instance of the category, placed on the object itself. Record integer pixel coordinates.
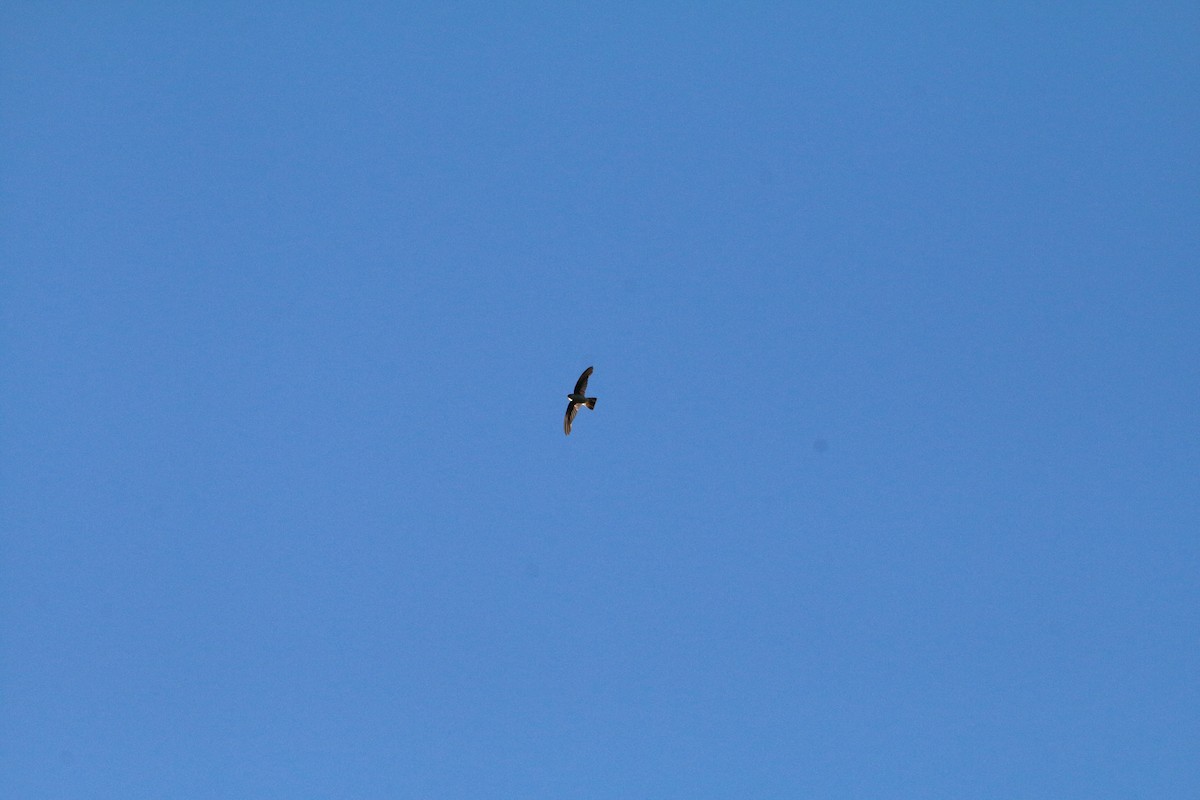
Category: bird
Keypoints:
(577, 399)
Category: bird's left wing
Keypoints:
(581, 384)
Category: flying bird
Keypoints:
(577, 399)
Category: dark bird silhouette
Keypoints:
(577, 399)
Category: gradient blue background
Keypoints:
(892, 489)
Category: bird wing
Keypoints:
(572, 410)
(581, 384)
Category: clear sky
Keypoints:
(892, 488)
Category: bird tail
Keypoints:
(591, 402)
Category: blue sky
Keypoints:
(892, 485)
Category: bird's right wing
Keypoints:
(572, 410)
